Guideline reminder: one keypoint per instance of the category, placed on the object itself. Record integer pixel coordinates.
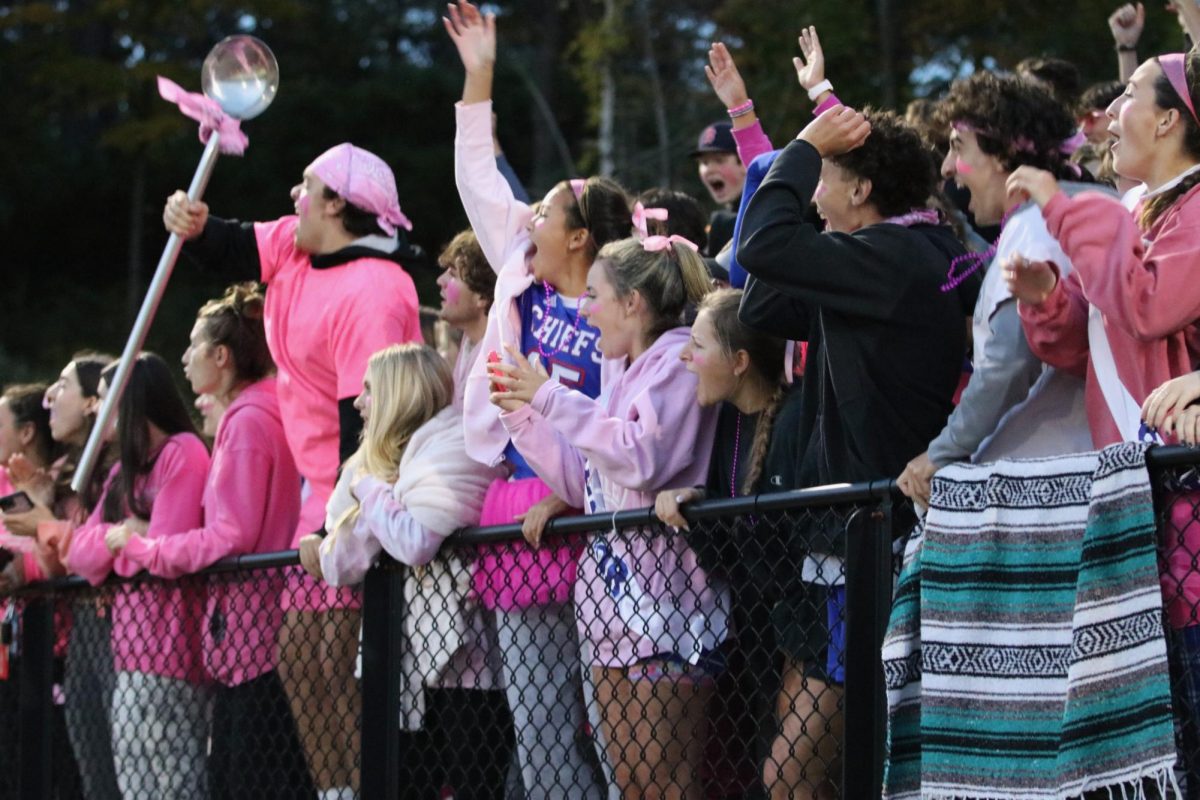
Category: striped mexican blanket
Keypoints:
(1025, 656)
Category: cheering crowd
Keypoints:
(1002, 272)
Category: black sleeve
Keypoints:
(350, 428)
(226, 247)
(768, 310)
(855, 273)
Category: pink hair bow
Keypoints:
(209, 114)
(577, 187)
(642, 215)
(656, 244)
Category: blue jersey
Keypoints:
(571, 357)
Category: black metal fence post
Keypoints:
(382, 640)
(868, 607)
(36, 704)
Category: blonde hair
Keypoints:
(667, 280)
(410, 384)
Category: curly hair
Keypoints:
(474, 271)
(1015, 120)
(1059, 77)
(897, 162)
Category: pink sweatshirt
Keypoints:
(322, 326)
(251, 504)
(1146, 289)
(635, 596)
(156, 626)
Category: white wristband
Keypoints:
(816, 91)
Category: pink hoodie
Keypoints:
(251, 504)
(1146, 289)
(636, 596)
(156, 626)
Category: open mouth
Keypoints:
(716, 185)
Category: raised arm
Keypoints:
(727, 84)
(1126, 24)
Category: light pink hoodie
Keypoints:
(635, 596)
(156, 626)
(251, 505)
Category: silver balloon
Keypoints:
(241, 74)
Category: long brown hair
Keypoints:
(1166, 97)
(765, 353)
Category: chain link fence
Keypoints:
(737, 658)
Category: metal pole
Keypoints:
(137, 337)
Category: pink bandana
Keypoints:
(209, 114)
(1174, 67)
(364, 180)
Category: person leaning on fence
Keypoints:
(336, 292)
(1014, 406)
(541, 260)
(1127, 315)
(755, 451)
(650, 620)
(408, 487)
(159, 706)
(73, 401)
(251, 504)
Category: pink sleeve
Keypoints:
(752, 142)
(1148, 292)
(551, 456)
(1057, 328)
(180, 473)
(276, 240)
(88, 556)
(826, 104)
(658, 438)
(31, 567)
(381, 315)
(234, 513)
(397, 531)
(498, 218)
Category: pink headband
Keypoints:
(642, 216)
(656, 244)
(1023, 144)
(364, 180)
(1174, 67)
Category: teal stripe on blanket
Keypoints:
(1025, 653)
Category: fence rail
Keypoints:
(807, 548)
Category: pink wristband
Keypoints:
(742, 110)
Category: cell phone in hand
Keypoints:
(16, 503)
(494, 358)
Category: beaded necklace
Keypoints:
(974, 261)
(546, 319)
(737, 446)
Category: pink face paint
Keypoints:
(302, 204)
(961, 167)
(821, 190)
(699, 359)
(453, 291)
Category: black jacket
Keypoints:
(886, 344)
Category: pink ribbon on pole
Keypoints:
(209, 114)
(642, 216)
(656, 244)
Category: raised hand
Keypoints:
(723, 74)
(838, 130)
(473, 34)
(1031, 183)
(1031, 282)
(1126, 24)
(810, 70)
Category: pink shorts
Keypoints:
(305, 593)
(513, 575)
